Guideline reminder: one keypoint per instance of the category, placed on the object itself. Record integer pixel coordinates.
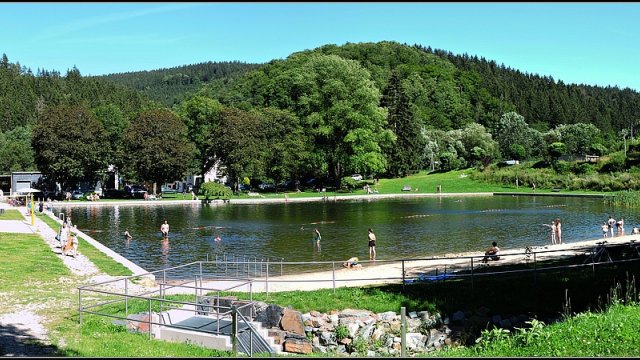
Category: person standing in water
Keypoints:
(127, 235)
(558, 232)
(372, 245)
(317, 237)
(164, 229)
(554, 231)
(620, 226)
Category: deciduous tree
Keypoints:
(157, 146)
(70, 144)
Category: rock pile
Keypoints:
(352, 331)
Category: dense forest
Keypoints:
(172, 85)
(385, 109)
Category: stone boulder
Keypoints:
(270, 316)
(292, 322)
(298, 346)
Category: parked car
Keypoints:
(77, 194)
(138, 191)
(357, 177)
(266, 186)
(114, 194)
(168, 190)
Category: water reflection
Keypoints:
(404, 227)
(165, 249)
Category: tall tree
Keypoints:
(16, 153)
(344, 116)
(288, 147)
(115, 124)
(70, 144)
(157, 146)
(404, 157)
(201, 115)
(240, 142)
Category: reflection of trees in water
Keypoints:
(165, 249)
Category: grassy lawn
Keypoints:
(36, 274)
(26, 255)
(105, 263)
(613, 333)
(11, 214)
(425, 183)
(30, 273)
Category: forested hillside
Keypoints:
(443, 111)
(173, 85)
(24, 94)
(385, 109)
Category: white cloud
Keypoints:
(72, 27)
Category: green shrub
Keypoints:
(215, 189)
(348, 183)
(562, 167)
(615, 163)
(584, 169)
(341, 332)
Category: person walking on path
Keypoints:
(372, 245)
(164, 229)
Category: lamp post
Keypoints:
(32, 215)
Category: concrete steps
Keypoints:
(187, 326)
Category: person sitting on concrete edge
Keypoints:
(492, 253)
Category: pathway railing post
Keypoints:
(535, 269)
(126, 296)
(234, 329)
(403, 280)
(267, 277)
(471, 273)
(403, 332)
(333, 274)
(80, 308)
(149, 318)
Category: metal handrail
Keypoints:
(532, 264)
(249, 348)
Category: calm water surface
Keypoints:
(404, 227)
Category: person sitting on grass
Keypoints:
(352, 263)
(492, 253)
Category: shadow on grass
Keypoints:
(16, 342)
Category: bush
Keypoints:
(341, 332)
(584, 169)
(615, 163)
(215, 189)
(562, 167)
(348, 183)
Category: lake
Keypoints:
(405, 228)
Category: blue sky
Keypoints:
(583, 43)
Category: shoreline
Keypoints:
(322, 198)
(371, 273)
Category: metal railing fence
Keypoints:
(215, 277)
